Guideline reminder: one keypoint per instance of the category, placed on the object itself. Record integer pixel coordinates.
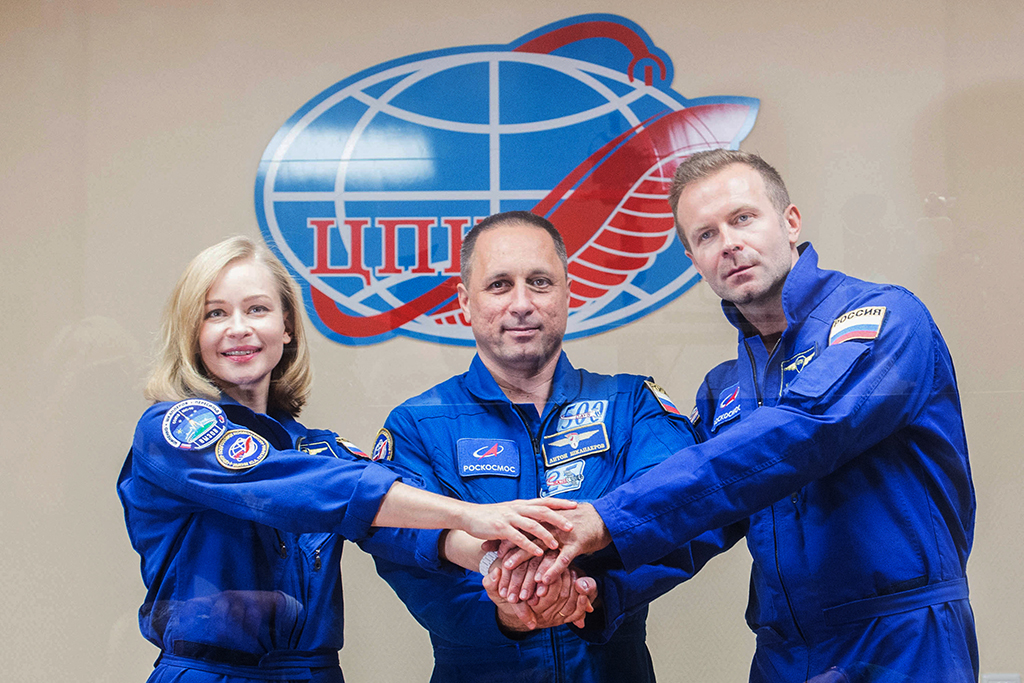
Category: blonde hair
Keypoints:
(179, 372)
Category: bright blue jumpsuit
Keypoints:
(842, 454)
(467, 440)
(241, 553)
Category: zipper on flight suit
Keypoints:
(775, 536)
(556, 655)
(317, 563)
(526, 426)
(552, 635)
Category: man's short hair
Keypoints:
(509, 218)
(705, 164)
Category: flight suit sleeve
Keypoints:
(852, 396)
(623, 593)
(285, 489)
(409, 547)
(451, 605)
(657, 434)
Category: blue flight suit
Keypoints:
(842, 455)
(467, 440)
(240, 532)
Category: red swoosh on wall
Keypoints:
(360, 326)
(605, 241)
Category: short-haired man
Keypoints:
(523, 422)
(835, 439)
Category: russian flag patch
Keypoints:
(666, 403)
(862, 323)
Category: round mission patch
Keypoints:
(193, 424)
(241, 449)
(383, 446)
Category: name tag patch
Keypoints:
(568, 477)
(574, 443)
(792, 366)
(488, 457)
(862, 323)
(728, 406)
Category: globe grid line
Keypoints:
(414, 72)
(358, 127)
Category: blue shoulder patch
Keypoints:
(240, 449)
(383, 446)
(193, 424)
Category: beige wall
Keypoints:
(130, 137)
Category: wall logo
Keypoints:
(366, 192)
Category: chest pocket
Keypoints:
(819, 382)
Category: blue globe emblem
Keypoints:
(366, 192)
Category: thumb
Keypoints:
(586, 586)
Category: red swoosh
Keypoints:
(583, 212)
(360, 326)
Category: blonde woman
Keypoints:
(239, 512)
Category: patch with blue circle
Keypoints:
(240, 449)
(193, 424)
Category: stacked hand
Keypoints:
(524, 605)
(529, 524)
(540, 592)
(586, 534)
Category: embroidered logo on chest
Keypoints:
(581, 414)
(576, 443)
(794, 365)
(481, 457)
(728, 408)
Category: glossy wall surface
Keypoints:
(130, 138)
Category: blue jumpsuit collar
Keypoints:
(565, 385)
(806, 286)
(283, 425)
